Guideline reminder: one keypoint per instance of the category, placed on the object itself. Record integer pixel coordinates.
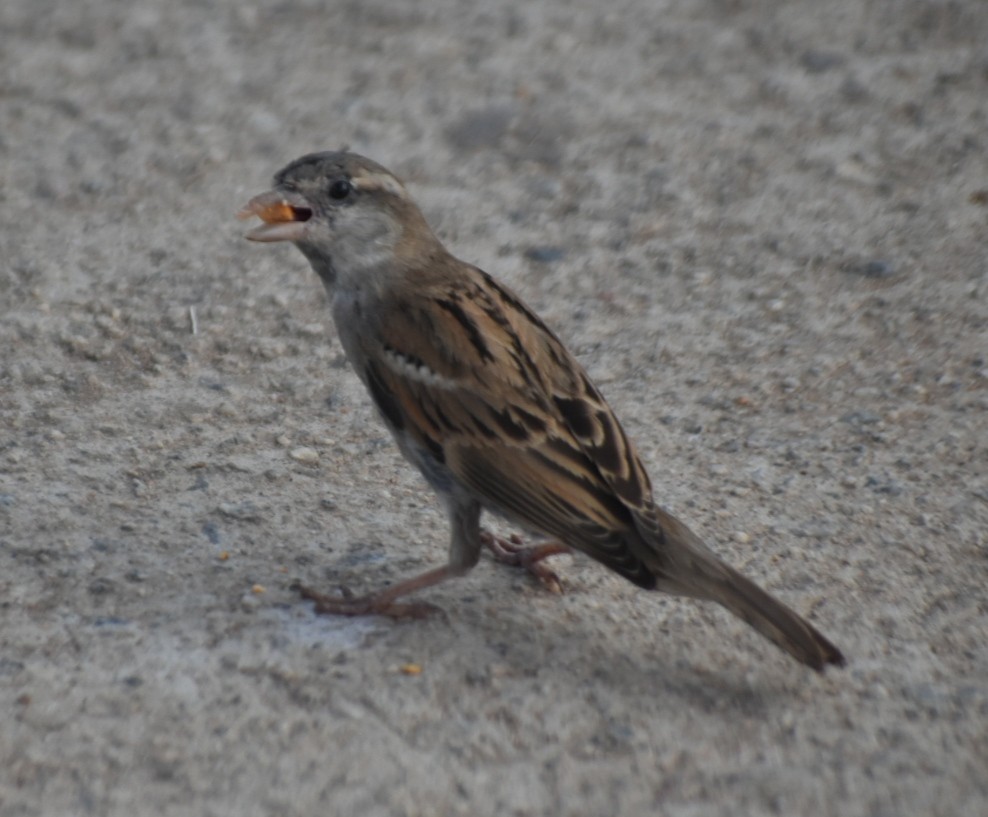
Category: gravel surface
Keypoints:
(762, 226)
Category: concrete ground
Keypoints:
(762, 227)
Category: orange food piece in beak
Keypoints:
(276, 213)
(271, 208)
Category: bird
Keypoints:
(486, 401)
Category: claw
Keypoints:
(512, 551)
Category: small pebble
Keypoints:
(862, 417)
(249, 602)
(243, 511)
(305, 455)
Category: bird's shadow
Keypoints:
(591, 659)
(530, 642)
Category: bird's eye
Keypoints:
(340, 189)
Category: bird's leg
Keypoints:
(464, 553)
(513, 551)
(384, 602)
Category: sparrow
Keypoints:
(485, 400)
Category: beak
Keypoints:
(284, 216)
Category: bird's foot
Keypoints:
(375, 604)
(513, 551)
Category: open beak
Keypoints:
(284, 219)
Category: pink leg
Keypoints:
(512, 551)
(383, 602)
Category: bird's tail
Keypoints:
(688, 567)
(773, 619)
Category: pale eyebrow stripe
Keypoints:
(379, 181)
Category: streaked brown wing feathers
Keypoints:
(515, 417)
(526, 491)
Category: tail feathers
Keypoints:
(687, 567)
(774, 620)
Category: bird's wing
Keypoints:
(474, 377)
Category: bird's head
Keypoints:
(346, 213)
